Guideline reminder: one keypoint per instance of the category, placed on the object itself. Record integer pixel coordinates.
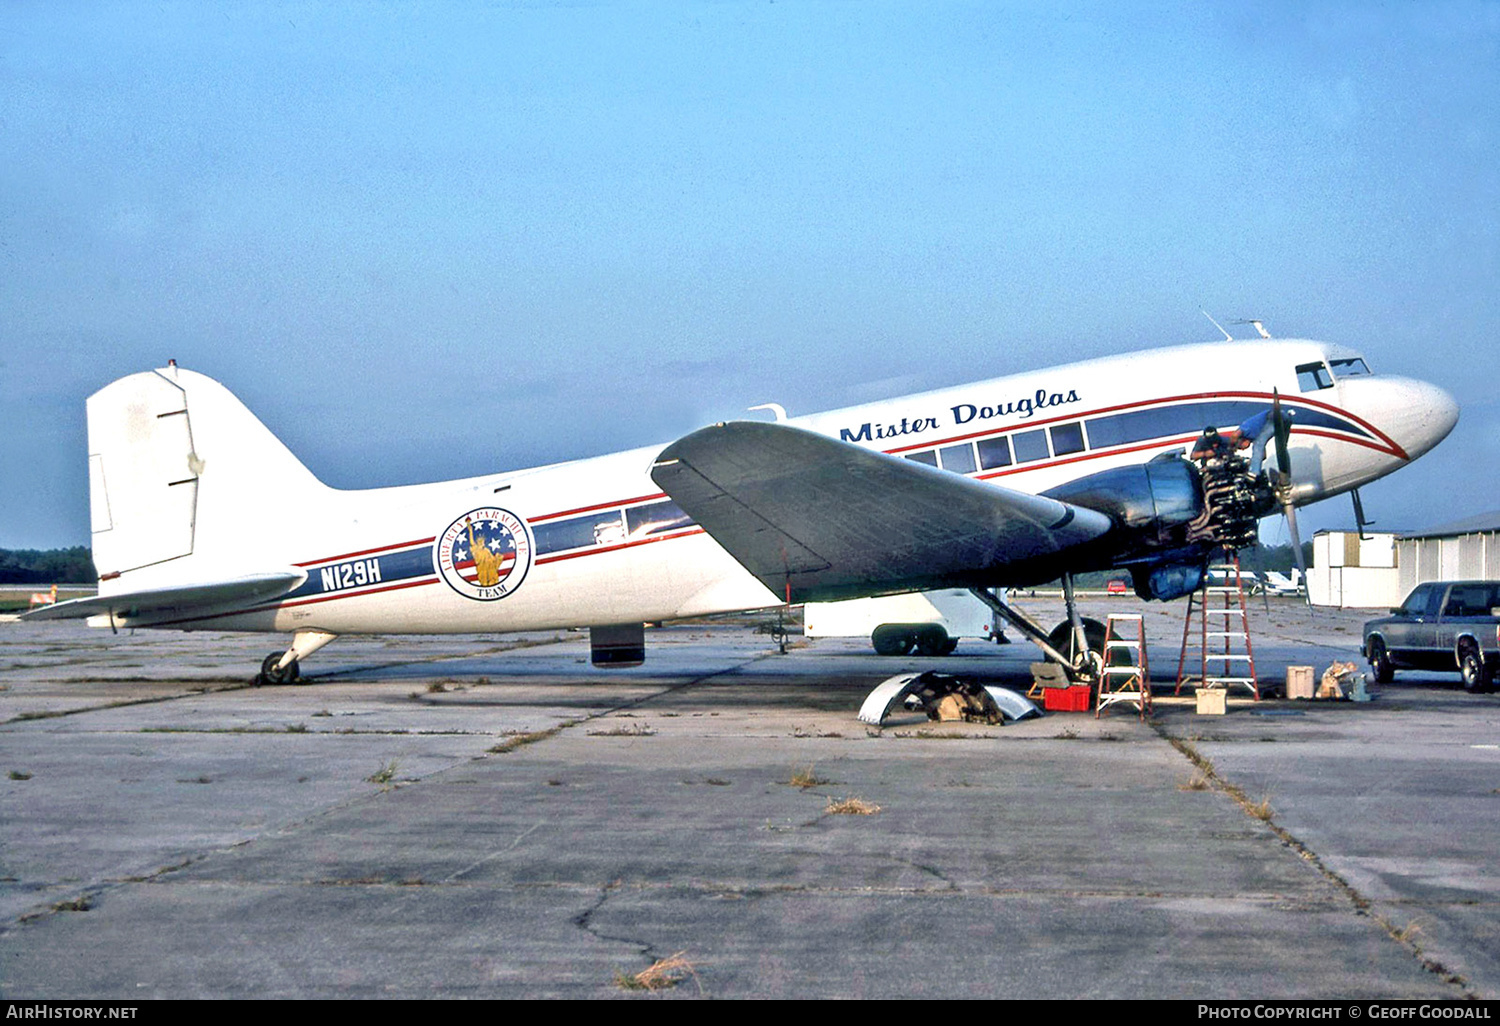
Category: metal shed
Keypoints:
(1380, 569)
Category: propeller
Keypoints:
(1268, 427)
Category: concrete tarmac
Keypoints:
(474, 816)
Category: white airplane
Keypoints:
(1291, 583)
(1008, 482)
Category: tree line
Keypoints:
(52, 566)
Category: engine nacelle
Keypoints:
(1172, 515)
(1153, 502)
(1167, 581)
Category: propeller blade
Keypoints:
(1290, 511)
(1260, 571)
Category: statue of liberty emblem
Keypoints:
(484, 554)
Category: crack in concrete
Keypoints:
(932, 871)
(1363, 906)
(585, 922)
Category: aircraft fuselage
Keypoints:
(596, 542)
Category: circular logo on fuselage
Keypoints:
(484, 554)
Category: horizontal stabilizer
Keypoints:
(815, 518)
(183, 600)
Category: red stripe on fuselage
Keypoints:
(597, 505)
(1393, 449)
(1390, 448)
(368, 552)
(685, 532)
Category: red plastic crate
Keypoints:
(1070, 699)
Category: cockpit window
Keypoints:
(1348, 368)
(1313, 376)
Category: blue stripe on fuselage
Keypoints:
(351, 574)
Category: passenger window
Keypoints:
(958, 458)
(1030, 445)
(579, 532)
(927, 456)
(655, 518)
(1313, 376)
(1067, 438)
(994, 452)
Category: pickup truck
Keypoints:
(1442, 625)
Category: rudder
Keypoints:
(178, 469)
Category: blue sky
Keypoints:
(556, 230)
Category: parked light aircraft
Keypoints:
(1150, 462)
(1292, 583)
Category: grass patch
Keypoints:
(76, 905)
(810, 731)
(807, 778)
(514, 741)
(851, 807)
(624, 730)
(662, 974)
(385, 774)
(18, 775)
(1198, 782)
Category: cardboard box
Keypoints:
(1210, 702)
(1299, 682)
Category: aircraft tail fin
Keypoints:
(180, 475)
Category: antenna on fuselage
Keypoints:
(1227, 336)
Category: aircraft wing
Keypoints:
(816, 519)
(187, 599)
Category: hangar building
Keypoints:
(1380, 569)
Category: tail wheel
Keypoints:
(270, 674)
(1475, 673)
(1380, 662)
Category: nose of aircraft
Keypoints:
(1416, 415)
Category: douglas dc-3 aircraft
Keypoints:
(1151, 462)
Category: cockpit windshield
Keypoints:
(1348, 367)
(1313, 376)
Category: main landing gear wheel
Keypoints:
(1061, 638)
(269, 674)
